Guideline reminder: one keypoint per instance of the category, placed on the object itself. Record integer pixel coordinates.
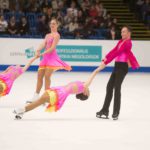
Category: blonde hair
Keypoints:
(1, 88)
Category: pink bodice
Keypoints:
(49, 40)
(12, 73)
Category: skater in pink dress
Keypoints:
(56, 96)
(50, 61)
(8, 76)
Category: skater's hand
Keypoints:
(86, 91)
(36, 56)
(101, 66)
(42, 54)
(37, 53)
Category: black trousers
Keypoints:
(114, 83)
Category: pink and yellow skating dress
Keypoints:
(7, 78)
(52, 60)
(58, 95)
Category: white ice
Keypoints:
(75, 126)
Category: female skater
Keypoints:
(123, 59)
(51, 61)
(8, 76)
(56, 96)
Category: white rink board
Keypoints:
(13, 50)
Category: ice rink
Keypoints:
(75, 126)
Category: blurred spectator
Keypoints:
(93, 11)
(79, 32)
(100, 19)
(54, 5)
(37, 6)
(115, 24)
(44, 10)
(94, 23)
(78, 35)
(28, 6)
(108, 20)
(87, 3)
(62, 7)
(73, 26)
(67, 19)
(12, 26)
(23, 26)
(88, 28)
(42, 27)
(3, 25)
(97, 2)
(146, 9)
(4, 5)
(72, 9)
(101, 9)
(112, 34)
(138, 8)
(49, 14)
(45, 3)
(81, 17)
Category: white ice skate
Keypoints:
(34, 98)
(19, 113)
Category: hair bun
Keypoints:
(81, 96)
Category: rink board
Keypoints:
(82, 55)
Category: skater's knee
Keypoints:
(48, 73)
(45, 96)
(40, 75)
(47, 76)
(117, 87)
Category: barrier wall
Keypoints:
(82, 55)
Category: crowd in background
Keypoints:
(77, 19)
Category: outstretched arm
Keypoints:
(94, 73)
(29, 63)
(41, 46)
(5, 71)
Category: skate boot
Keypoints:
(115, 116)
(34, 98)
(102, 114)
(19, 113)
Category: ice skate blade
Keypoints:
(17, 117)
(28, 102)
(98, 116)
(115, 119)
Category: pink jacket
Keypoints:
(125, 48)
